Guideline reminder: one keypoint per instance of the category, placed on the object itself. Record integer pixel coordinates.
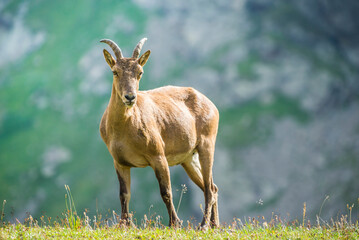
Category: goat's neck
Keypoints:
(118, 112)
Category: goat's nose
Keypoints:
(130, 97)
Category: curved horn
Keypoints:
(136, 52)
(114, 47)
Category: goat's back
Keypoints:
(172, 103)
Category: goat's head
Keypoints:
(127, 72)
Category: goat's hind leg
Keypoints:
(194, 171)
(214, 213)
(206, 154)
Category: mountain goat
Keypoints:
(159, 128)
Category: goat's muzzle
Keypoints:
(130, 99)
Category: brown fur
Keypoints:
(163, 127)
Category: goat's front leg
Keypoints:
(124, 178)
(160, 166)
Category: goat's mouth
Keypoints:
(129, 103)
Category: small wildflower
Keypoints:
(260, 202)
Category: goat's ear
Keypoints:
(143, 59)
(109, 59)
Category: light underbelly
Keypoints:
(130, 158)
(178, 158)
(127, 157)
(135, 160)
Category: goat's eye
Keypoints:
(115, 73)
(140, 74)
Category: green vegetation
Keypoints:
(283, 75)
(151, 229)
(71, 225)
(246, 232)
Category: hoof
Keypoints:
(203, 228)
(214, 225)
(175, 223)
(126, 223)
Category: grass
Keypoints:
(252, 229)
(71, 225)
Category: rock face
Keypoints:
(283, 75)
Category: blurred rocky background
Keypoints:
(284, 75)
